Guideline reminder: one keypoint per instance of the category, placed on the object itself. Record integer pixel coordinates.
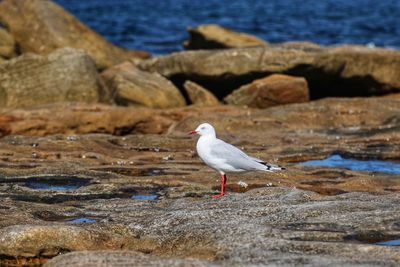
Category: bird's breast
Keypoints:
(203, 148)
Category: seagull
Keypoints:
(224, 157)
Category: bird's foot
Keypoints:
(217, 196)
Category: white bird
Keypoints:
(224, 157)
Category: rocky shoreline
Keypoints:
(97, 168)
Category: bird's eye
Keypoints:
(203, 128)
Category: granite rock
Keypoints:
(212, 36)
(43, 26)
(130, 86)
(64, 75)
(276, 89)
(330, 71)
(198, 95)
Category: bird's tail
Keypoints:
(268, 167)
(272, 167)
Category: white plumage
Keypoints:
(224, 157)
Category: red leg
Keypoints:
(223, 183)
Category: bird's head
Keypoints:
(204, 129)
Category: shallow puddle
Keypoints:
(55, 183)
(145, 195)
(82, 220)
(389, 243)
(375, 238)
(336, 161)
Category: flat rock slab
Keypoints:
(150, 193)
(108, 258)
(64, 75)
(212, 36)
(271, 226)
(331, 71)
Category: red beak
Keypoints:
(193, 132)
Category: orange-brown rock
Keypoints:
(132, 87)
(64, 75)
(305, 216)
(198, 95)
(331, 71)
(43, 26)
(273, 90)
(7, 44)
(212, 36)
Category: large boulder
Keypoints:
(43, 26)
(65, 75)
(273, 90)
(133, 87)
(7, 44)
(198, 95)
(332, 71)
(212, 36)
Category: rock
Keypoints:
(133, 87)
(7, 44)
(198, 95)
(300, 45)
(287, 226)
(106, 258)
(65, 75)
(331, 71)
(273, 90)
(43, 26)
(48, 241)
(397, 95)
(305, 216)
(71, 118)
(212, 36)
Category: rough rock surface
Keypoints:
(212, 36)
(198, 95)
(64, 75)
(106, 258)
(276, 89)
(7, 44)
(332, 71)
(305, 216)
(280, 226)
(360, 128)
(300, 45)
(132, 87)
(43, 26)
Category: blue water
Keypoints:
(336, 161)
(160, 26)
(82, 220)
(145, 197)
(55, 183)
(389, 243)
